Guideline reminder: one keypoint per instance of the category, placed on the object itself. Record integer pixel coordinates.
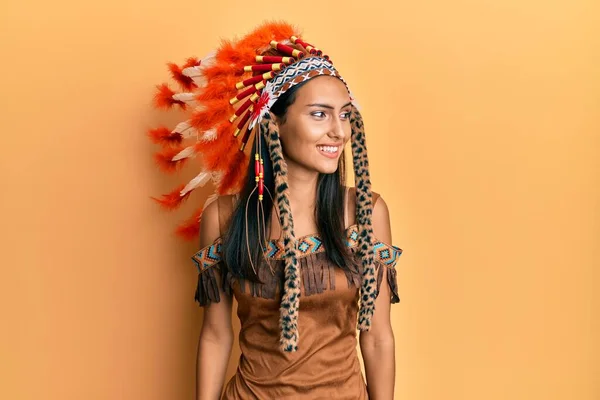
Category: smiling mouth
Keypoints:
(329, 151)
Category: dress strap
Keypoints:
(346, 199)
(225, 206)
(375, 197)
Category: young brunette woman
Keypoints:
(307, 258)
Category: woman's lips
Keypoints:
(328, 153)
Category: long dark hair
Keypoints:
(329, 210)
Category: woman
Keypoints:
(295, 246)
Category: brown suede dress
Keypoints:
(326, 365)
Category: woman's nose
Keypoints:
(337, 129)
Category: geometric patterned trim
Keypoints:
(387, 255)
(307, 245)
(283, 81)
(208, 256)
(291, 75)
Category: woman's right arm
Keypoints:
(216, 336)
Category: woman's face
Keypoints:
(317, 125)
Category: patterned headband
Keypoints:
(295, 74)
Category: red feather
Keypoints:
(172, 200)
(164, 98)
(190, 229)
(164, 136)
(261, 103)
(164, 160)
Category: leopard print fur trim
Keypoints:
(364, 210)
(290, 301)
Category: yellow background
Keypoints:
(484, 139)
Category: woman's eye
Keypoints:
(318, 114)
(346, 115)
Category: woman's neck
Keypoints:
(302, 194)
(302, 185)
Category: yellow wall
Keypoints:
(484, 138)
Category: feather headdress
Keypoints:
(228, 95)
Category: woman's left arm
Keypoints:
(377, 344)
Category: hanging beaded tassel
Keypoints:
(260, 212)
(260, 185)
(259, 189)
(259, 171)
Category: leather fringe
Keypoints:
(316, 271)
(207, 291)
(392, 281)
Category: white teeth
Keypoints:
(329, 149)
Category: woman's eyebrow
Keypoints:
(327, 105)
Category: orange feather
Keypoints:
(215, 112)
(190, 229)
(164, 160)
(234, 175)
(164, 98)
(172, 200)
(217, 155)
(220, 69)
(164, 136)
(263, 34)
(191, 62)
(223, 87)
(186, 83)
(229, 53)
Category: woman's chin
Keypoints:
(320, 166)
(328, 169)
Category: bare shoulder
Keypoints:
(352, 197)
(381, 219)
(210, 222)
(380, 209)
